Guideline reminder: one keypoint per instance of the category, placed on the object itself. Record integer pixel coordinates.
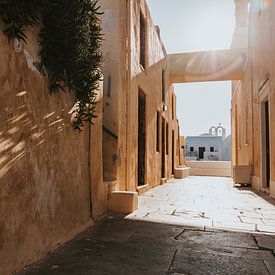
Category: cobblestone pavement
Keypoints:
(169, 235)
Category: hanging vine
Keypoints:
(70, 40)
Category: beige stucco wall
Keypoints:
(210, 168)
(50, 175)
(112, 48)
(259, 77)
(121, 165)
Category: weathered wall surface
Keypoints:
(248, 94)
(45, 175)
(210, 168)
(150, 82)
(111, 25)
(124, 50)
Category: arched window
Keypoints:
(220, 131)
(213, 131)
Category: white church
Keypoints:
(212, 146)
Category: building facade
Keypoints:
(253, 98)
(141, 131)
(55, 183)
(212, 146)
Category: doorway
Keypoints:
(201, 152)
(141, 138)
(265, 145)
(163, 125)
(173, 152)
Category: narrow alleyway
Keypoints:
(199, 225)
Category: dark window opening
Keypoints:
(191, 149)
(212, 149)
(142, 32)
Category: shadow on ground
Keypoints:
(248, 188)
(121, 246)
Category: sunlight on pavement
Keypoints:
(207, 202)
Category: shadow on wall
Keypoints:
(21, 132)
(45, 176)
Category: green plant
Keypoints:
(70, 40)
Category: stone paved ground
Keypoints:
(169, 235)
(208, 202)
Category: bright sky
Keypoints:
(197, 25)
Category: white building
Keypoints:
(212, 146)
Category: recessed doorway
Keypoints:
(163, 146)
(201, 152)
(173, 152)
(141, 138)
(265, 145)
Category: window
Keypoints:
(212, 149)
(158, 132)
(213, 131)
(142, 32)
(191, 149)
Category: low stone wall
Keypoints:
(50, 175)
(210, 168)
(182, 172)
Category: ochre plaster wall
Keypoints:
(259, 78)
(46, 176)
(130, 76)
(112, 48)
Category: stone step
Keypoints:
(123, 201)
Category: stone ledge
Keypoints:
(142, 189)
(123, 201)
(182, 172)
